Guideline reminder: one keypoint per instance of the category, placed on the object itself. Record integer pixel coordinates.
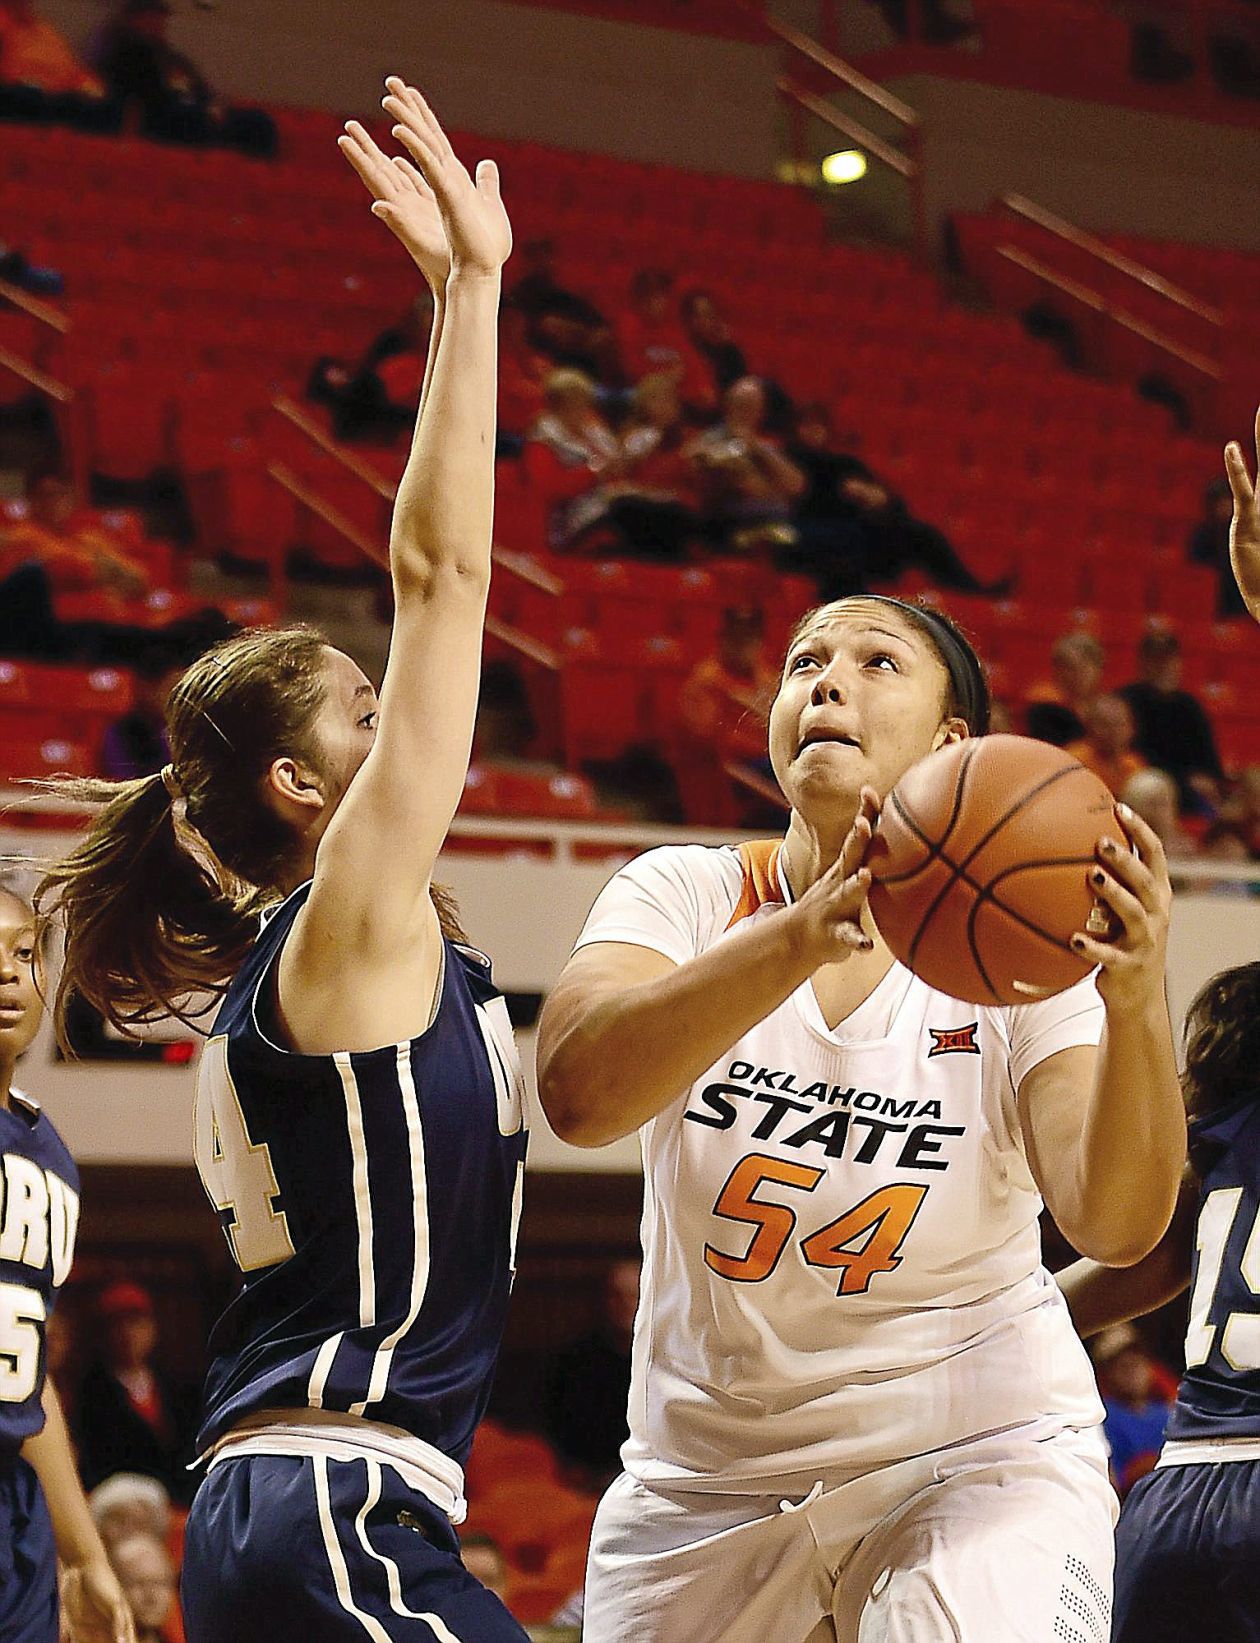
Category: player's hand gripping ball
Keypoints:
(980, 867)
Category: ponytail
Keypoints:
(148, 923)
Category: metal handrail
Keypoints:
(1020, 206)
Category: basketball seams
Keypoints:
(982, 894)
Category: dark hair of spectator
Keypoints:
(158, 909)
(1222, 1038)
(1158, 642)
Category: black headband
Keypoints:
(966, 676)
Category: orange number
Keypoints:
(881, 1222)
(885, 1218)
(775, 1223)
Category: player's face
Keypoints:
(346, 724)
(20, 1003)
(862, 698)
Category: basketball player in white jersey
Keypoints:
(858, 1409)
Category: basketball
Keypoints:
(979, 868)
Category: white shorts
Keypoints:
(1004, 1540)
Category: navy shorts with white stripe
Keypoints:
(315, 1548)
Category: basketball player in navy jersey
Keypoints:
(1188, 1541)
(43, 1512)
(359, 1125)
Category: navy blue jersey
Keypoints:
(1220, 1394)
(370, 1201)
(38, 1222)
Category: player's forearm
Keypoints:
(1133, 1140)
(444, 513)
(610, 1063)
(1099, 1296)
(50, 1454)
(435, 338)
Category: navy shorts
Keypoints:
(1188, 1556)
(28, 1559)
(319, 1549)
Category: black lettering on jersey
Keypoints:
(930, 1109)
(721, 1114)
(879, 1128)
(818, 1092)
(829, 1131)
(842, 1096)
(763, 1075)
(740, 1069)
(921, 1139)
(778, 1105)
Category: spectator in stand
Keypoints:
(653, 342)
(1174, 732)
(1153, 794)
(378, 396)
(130, 1503)
(1224, 841)
(935, 23)
(561, 324)
(1137, 1408)
(588, 1385)
(42, 78)
(172, 98)
(523, 373)
(655, 506)
(726, 698)
(483, 1558)
(77, 555)
(131, 1418)
(854, 531)
(149, 1582)
(1056, 709)
(710, 336)
(748, 487)
(1209, 545)
(136, 745)
(571, 456)
(1107, 746)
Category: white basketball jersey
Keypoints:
(842, 1265)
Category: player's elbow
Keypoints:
(1116, 1244)
(574, 1082)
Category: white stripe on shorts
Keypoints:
(336, 1557)
(436, 1624)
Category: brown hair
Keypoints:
(159, 907)
(1222, 1035)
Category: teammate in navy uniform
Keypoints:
(1188, 1541)
(359, 1125)
(42, 1507)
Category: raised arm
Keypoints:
(1105, 1130)
(626, 1031)
(369, 906)
(1244, 533)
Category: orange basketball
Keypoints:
(979, 866)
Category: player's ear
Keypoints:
(951, 730)
(292, 784)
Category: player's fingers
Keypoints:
(1127, 907)
(421, 151)
(853, 936)
(410, 177)
(1236, 472)
(1096, 952)
(367, 161)
(488, 178)
(855, 846)
(1144, 873)
(1258, 434)
(418, 112)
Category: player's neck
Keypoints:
(808, 853)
